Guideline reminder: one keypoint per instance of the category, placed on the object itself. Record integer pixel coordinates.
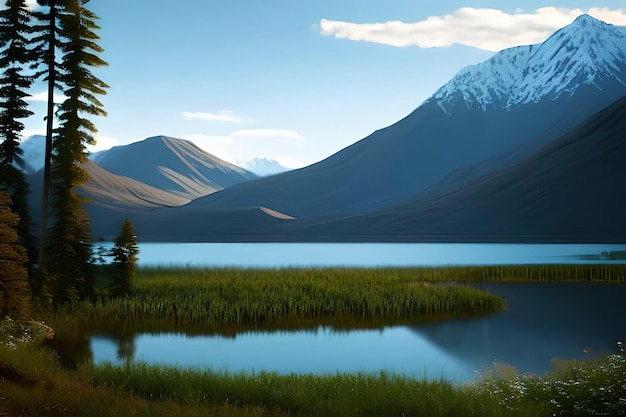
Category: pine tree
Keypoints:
(124, 268)
(48, 34)
(15, 56)
(69, 243)
(13, 274)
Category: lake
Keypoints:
(282, 255)
(543, 321)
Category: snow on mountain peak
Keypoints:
(263, 167)
(584, 52)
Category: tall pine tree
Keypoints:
(48, 34)
(15, 57)
(69, 245)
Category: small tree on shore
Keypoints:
(124, 267)
(14, 285)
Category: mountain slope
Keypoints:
(570, 190)
(174, 165)
(456, 128)
(112, 198)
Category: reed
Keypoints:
(189, 299)
(360, 394)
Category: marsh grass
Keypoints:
(358, 394)
(227, 300)
(147, 390)
(44, 388)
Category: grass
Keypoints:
(225, 300)
(205, 300)
(34, 384)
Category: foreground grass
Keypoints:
(34, 384)
(196, 299)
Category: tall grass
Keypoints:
(33, 383)
(190, 299)
(358, 394)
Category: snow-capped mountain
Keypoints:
(33, 152)
(486, 117)
(263, 167)
(586, 52)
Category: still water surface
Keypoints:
(543, 321)
(280, 255)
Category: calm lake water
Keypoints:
(279, 255)
(543, 321)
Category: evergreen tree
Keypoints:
(49, 32)
(14, 286)
(69, 244)
(15, 56)
(124, 268)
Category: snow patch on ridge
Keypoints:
(582, 53)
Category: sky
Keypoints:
(293, 80)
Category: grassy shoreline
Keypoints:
(223, 300)
(33, 381)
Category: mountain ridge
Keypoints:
(175, 165)
(423, 148)
(579, 54)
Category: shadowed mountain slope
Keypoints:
(570, 190)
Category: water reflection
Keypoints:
(544, 321)
(324, 351)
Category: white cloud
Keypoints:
(104, 143)
(266, 133)
(221, 116)
(489, 29)
(26, 133)
(30, 4)
(43, 96)
(242, 145)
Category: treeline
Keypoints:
(55, 42)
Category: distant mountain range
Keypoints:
(526, 146)
(263, 167)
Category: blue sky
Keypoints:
(294, 80)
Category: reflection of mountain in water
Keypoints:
(544, 321)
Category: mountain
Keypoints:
(138, 178)
(263, 167)
(112, 198)
(487, 116)
(588, 52)
(570, 190)
(33, 152)
(175, 165)
(527, 146)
